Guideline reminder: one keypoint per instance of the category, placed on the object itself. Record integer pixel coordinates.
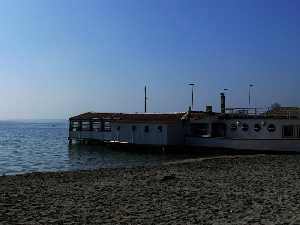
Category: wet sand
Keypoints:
(260, 189)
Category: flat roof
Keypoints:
(131, 117)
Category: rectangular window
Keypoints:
(146, 129)
(85, 125)
(200, 129)
(219, 129)
(74, 126)
(107, 126)
(288, 131)
(298, 131)
(96, 126)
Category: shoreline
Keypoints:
(247, 189)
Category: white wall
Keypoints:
(263, 133)
(251, 133)
(139, 136)
(126, 134)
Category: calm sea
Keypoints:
(39, 146)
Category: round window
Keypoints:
(271, 128)
(245, 127)
(257, 127)
(233, 127)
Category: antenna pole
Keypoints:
(250, 86)
(145, 99)
(193, 97)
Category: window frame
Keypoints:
(271, 130)
(85, 125)
(199, 129)
(257, 127)
(133, 128)
(233, 127)
(107, 126)
(146, 129)
(97, 128)
(291, 134)
(160, 128)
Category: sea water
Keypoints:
(40, 146)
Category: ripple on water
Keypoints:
(29, 147)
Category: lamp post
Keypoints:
(145, 99)
(250, 86)
(192, 85)
(225, 90)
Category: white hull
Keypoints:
(246, 144)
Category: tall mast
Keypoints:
(145, 99)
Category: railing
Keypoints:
(284, 113)
(246, 111)
(287, 114)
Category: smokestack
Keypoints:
(209, 109)
(223, 103)
(145, 99)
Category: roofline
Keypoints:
(169, 117)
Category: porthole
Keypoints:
(257, 127)
(233, 127)
(245, 127)
(271, 128)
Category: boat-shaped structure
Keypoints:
(276, 129)
(246, 129)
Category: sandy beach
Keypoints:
(257, 189)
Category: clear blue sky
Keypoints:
(60, 57)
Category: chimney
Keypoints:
(209, 109)
(223, 103)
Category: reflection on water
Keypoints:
(43, 146)
(91, 157)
